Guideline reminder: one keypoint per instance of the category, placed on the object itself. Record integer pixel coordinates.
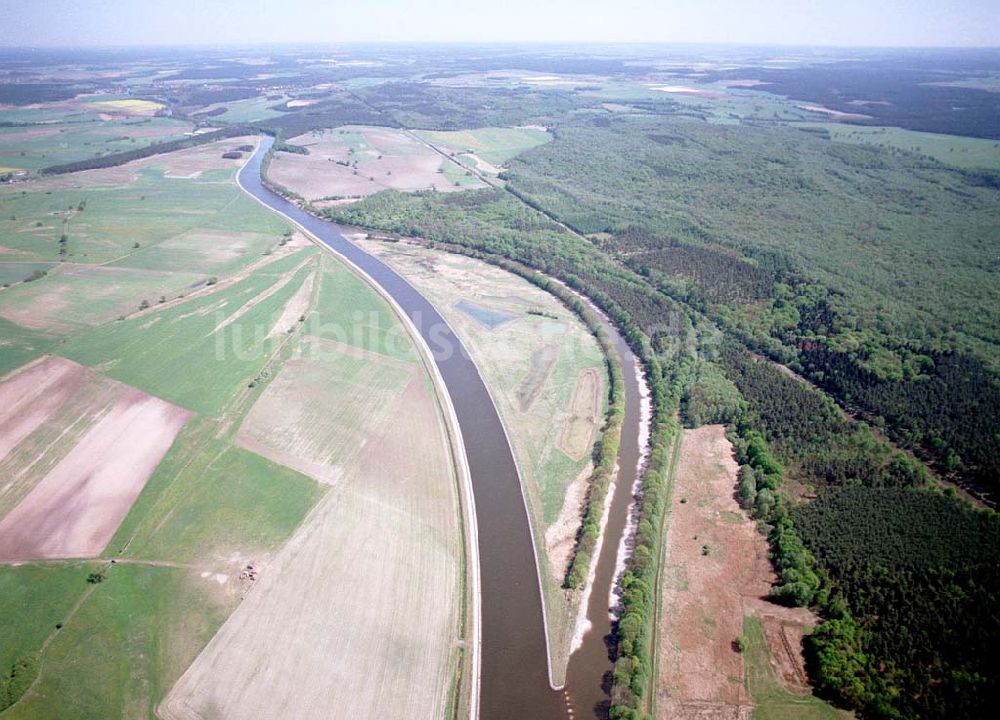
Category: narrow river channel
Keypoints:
(514, 668)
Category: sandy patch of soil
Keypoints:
(691, 92)
(560, 536)
(295, 308)
(833, 114)
(483, 165)
(583, 420)
(744, 83)
(784, 640)
(357, 615)
(76, 508)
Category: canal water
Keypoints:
(514, 666)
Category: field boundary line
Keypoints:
(455, 434)
(675, 455)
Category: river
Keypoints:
(514, 674)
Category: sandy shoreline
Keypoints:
(627, 541)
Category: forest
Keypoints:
(904, 94)
(913, 625)
(824, 257)
(720, 298)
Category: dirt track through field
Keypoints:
(585, 416)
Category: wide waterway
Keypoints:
(514, 676)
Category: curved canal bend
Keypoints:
(514, 675)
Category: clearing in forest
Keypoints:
(715, 581)
(353, 161)
(486, 149)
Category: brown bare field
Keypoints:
(358, 615)
(47, 405)
(716, 573)
(30, 396)
(386, 158)
(578, 432)
(76, 507)
(716, 568)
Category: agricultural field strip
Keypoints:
(457, 449)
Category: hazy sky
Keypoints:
(815, 22)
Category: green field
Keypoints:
(458, 177)
(33, 599)
(18, 345)
(364, 321)
(249, 110)
(158, 228)
(961, 152)
(147, 208)
(15, 272)
(84, 136)
(773, 700)
(184, 353)
(125, 645)
(208, 498)
(494, 145)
